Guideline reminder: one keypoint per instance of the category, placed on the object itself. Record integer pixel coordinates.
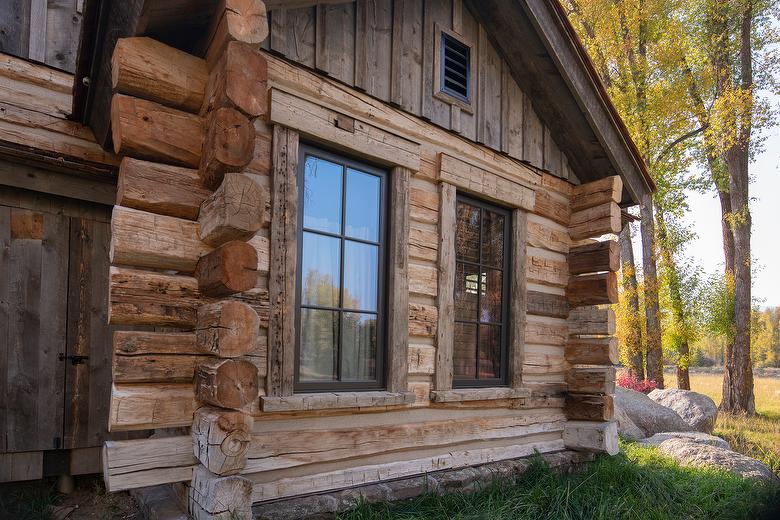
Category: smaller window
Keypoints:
(455, 72)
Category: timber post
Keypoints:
(192, 202)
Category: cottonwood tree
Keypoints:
(728, 56)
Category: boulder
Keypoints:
(689, 453)
(698, 410)
(649, 416)
(626, 427)
(697, 437)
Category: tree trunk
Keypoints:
(738, 371)
(675, 297)
(633, 346)
(655, 365)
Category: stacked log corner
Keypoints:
(189, 246)
(591, 349)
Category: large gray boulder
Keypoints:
(697, 437)
(689, 453)
(698, 410)
(626, 427)
(647, 415)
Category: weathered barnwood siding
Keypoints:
(45, 31)
(386, 48)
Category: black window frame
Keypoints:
(506, 265)
(306, 150)
(445, 38)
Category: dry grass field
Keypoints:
(757, 436)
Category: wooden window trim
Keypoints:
(443, 377)
(283, 278)
(438, 92)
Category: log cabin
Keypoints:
(263, 252)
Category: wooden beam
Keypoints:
(595, 257)
(518, 298)
(547, 304)
(595, 193)
(549, 206)
(231, 268)
(160, 188)
(227, 383)
(228, 145)
(147, 69)
(236, 211)
(144, 239)
(364, 140)
(587, 407)
(592, 289)
(398, 282)
(141, 342)
(239, 80)
(148, 130)
(221, 439)
(139, 297)
(145, 406)
(592, 321)
(591, 379)
(599, 437)
(283, 265)
(227, 329)
(150, 368)
(445, 337)
(486, 184)
(596, 221)
(236, 20)
(592, 351)
(147, 462)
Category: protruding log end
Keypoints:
(228, 145)
(221, 439)
(213, 497)
(227, 383)
(229, 269)
(236, 211)
(227, 329)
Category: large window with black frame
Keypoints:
(341, 278)
(481, 294)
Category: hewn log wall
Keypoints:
(174, 239)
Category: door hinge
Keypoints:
(74, 360)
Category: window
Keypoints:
(481, 294)
(455, 68)
(341, 264)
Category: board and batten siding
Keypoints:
(386, 48)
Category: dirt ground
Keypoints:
(39, 500)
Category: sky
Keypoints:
(704, 219)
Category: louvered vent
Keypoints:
(455, 68)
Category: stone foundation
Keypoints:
(327, 505)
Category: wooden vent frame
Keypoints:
(439, 90)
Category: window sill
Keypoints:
(335, 400)
(478, 394)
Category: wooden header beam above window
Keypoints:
(343, 132)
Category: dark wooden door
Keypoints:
(33, 287)
(55, 344)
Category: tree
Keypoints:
(629, 317)
(728, 57)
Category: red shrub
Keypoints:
(645, 386)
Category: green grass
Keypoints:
(757, 436)
(639, 483)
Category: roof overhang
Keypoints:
(551, 65)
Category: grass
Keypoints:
(639, 483)
(758, 436)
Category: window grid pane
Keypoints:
(354, 315)
(480, 293)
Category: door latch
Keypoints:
(74, 360)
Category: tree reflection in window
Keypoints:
(479, 354)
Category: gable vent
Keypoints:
(455, 68)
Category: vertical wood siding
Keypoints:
(386, 48)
